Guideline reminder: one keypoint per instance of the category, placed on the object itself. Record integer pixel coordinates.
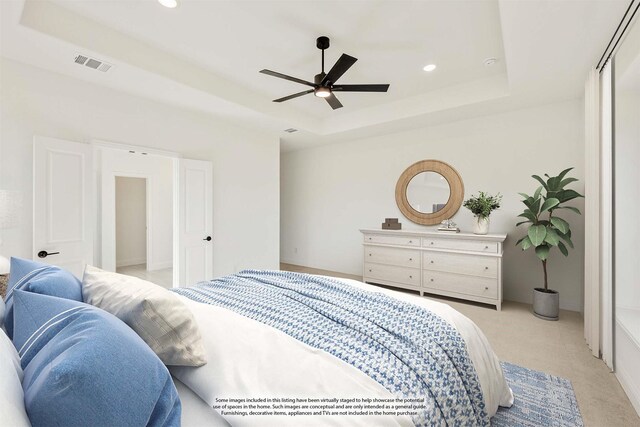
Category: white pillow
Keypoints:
(12, 411)
(154, 313)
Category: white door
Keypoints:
(193, 242)
(62, 203)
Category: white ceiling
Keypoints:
(205, 55)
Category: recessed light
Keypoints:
(168, 3)
(429, 67)
(490, 61)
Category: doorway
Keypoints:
(179, 242)
(131, 223)
(134, 253)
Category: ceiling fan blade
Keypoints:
(295, 95)
(333, 101)
(361, 88)
(339, 68)
(284, 76)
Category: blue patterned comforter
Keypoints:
(409, 350)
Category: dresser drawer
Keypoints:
(474, 265)
(458, 283)
(410, 276)
(392, 256)
(460, 245)
(392, 240)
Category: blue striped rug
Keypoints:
(540, 400)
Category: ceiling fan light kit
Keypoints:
(169, 3)
(322, 92)
(323, 84)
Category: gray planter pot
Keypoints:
(546, 304)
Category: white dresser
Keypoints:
(459, 265)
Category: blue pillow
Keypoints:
(84, 367)
(40, 278)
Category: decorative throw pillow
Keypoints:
(40, 278)
(12, 408)
(84, 367)
(156, 314)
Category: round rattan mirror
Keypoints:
(429, 191)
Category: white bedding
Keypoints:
(248, 359)
(195, 411)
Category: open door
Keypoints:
(193, 223)
(62, 203)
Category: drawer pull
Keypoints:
(410, 241)
(431, 261)
(486, 288)
(431, 280)
(410, 259)
(369, 238)
(486, 268)
(369, 254)
(410, 277)
(486, 247)
(431, 243)
(369, 270)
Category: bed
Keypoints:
(289, 337)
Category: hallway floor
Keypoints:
(162, 277)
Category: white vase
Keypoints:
(480, 225)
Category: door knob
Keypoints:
(208, 238)
(44, 254)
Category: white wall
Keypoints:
(329, 192)
(131, 221)
(158, 171)
(245, 162)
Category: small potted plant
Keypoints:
(545, 231)
(481, 207)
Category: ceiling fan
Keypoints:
(324, 84)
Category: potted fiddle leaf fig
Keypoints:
(547, 231)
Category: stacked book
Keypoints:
(391, 224)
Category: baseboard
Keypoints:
(286, 261)
(626, 366)
(324, 271)
(132, 261)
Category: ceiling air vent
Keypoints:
(96, 64)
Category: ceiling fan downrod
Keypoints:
(323, 43)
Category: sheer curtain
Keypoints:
(592, 213)
(598, 328)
